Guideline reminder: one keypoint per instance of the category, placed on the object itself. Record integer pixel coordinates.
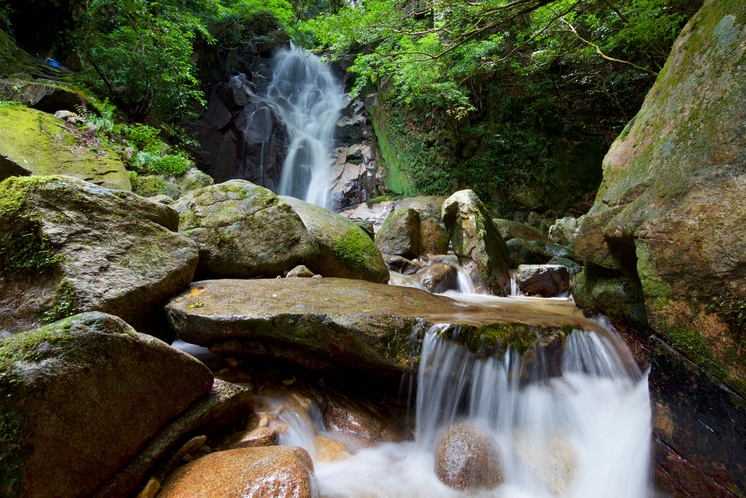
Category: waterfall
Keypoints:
(309, 100)
(583, 431)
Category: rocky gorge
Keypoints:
(291, 302)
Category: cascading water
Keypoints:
(309, 100)
(580, 431)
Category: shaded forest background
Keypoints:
(518, 100)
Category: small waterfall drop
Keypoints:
(309, 100)
(583, 431)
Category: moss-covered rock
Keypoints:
(42, 95)
(400, 234)
(80, 397)
(671, 206)
(346, 251)
(670, 212)
(474, 236)
(69, 246)
(513, 229)
(35, 143)
(244, 230)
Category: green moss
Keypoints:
(33, 346)
(394, 177)
(694, 346)
(353, 249)
(656, 291)
(65, 303)
(493, 339)
(23, 246)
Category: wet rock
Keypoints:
(70, 246)
(564, 230)
(268, 472)
(261, 436)
(402, 265)
(474, 236)
(68, 406)
(243, 230)
(466, 457)
(356, 416)
(345, 250)
(618, 296)
(543, 280)
(35, 143)
(438, 277)
(329, 450)
(571, 265)
(349, 327)
(521, 253)
(300, 271)
(400, 234)
(222, 411)
(514, 230)
(354, 178)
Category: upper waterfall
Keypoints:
(309, 100)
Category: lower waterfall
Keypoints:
(576, 426)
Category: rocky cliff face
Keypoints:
(669, 219)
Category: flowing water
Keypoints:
(580, 432)
(309, 100)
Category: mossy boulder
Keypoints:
(346, 251)
(244, 230)
(670, 213)
(671, 206)
(400, 234)
(516, 230)
(80, 397)
(35, 143)
(349, 327)
(68, 246)
(41, 95)
(13, 60)
(155, 185)
(476, 238)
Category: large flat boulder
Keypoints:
(345, 326)
(69, 246)
(244, 230)
(35, 143)
(476, 238)
(80, 397)
(670, 214)
(346, 251)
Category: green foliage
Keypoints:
(491, 93)
(172, 164)
(138, 53)
(5, 13)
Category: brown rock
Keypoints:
(94, 249)
(269, 472)
(466, 457)
(82, 396)
(438, 277)
(543, 280)
(329, 450)
(261, 436)
(400, 234)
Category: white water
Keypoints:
(309, 100)
(583, 432)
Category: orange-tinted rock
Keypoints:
(268, 472)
